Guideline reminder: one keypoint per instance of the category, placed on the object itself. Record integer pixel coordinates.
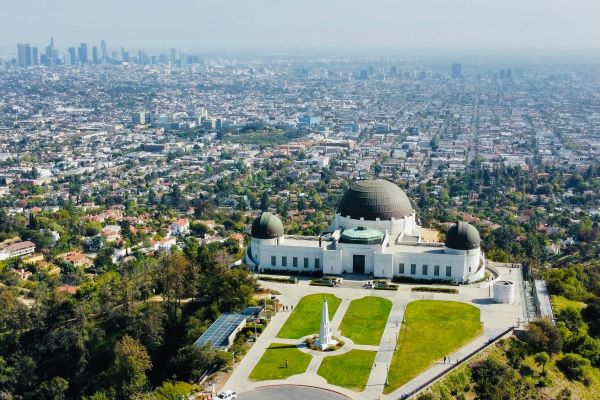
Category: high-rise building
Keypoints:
(138, 118)
(83, 53)
(35, 58)
(21, 55)
(173, 56)
(95, 58)
(72, 56)
(393, 72)
(104, 53)
(456, 71)
(28, 57)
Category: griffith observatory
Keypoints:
(374, 232)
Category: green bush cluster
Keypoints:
(434, 289)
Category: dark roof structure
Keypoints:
(372, 199)
(267, 226)
(462, 236)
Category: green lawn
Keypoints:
(365, 320)
(272, 363)
(306, 317)
(433, 329)
(559, 303)
(350, 370)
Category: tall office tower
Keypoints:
(95, 59)
(21, 55)
(122, 53)
(72, 56)
(509, 73)
(28, 58)
(502, 73)
(173, 56)
(103, 50)
(456, 71)
(83, 53)
(393, 72)
(35, 58)
(138, 118)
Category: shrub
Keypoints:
(278, 280)
(319, 282)
(408, 279)
(575, 367)
(434, 289)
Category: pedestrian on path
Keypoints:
(286, 363)
(444, 359)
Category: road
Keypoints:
(285, 392)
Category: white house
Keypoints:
(179, 227)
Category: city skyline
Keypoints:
(238, 26)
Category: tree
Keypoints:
(541, 359)
(543, 335)
(130, 364)
(265, 201)
(53, 389)
(591, 315)
(192, 361)
(493, 380)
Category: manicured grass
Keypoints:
(433, 329)
(559, 303)
(365, 320)
(272, 363)
(350, 370)
(306, 317)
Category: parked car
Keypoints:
(227, 395)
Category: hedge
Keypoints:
(279, 280)
(435, 289)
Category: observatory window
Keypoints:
(305, 262)
(295, 262)
(284, 261)
(273, 261)
(317, 263)
(436, 270)
(401, 268)
(448, 271)
(413, 269)
(424, 269)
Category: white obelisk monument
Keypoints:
(325, 339)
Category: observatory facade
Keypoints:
(374, 232)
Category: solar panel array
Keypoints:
(220, 330)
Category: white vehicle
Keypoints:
(227, 395)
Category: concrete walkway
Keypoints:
(495, 317)
(385, 352)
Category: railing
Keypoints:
(428, 383)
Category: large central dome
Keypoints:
(372, 199)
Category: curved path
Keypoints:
(290, 392)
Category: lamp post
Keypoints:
(387, 372)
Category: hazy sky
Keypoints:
(302, 24)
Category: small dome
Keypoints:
(372, 199)
(267, 226)
(462, 236)
(361, 235)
